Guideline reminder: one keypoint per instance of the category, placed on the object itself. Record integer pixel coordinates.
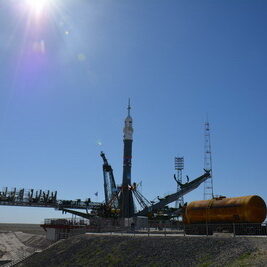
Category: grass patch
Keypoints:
(205, 261)
(243, 260)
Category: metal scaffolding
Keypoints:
(179, 166)
(208, 184)
(42, 198)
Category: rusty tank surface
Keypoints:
(247, 209)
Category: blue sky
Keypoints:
(67, 73)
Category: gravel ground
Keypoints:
(16, 245)
(153, 251)
(12, 247)
(33, 241)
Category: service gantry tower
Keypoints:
(208, 184)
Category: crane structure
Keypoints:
(110, 189)
(208, 184)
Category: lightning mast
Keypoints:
(179, 166)
(208, 184)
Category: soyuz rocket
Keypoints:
(126, 198)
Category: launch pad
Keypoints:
(119, 199)
(118, 213)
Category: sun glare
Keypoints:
(37, 6)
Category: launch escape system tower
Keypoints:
(126, 202)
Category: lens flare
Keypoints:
(99, 143)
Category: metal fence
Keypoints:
(169, 228)
(66, 221)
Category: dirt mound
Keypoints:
(34, 241)
(18, 245)
(12, 247)
(148, 251)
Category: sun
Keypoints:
(37, 6)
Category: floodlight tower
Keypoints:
(208, 184)
(179, 166)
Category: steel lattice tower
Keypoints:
(208, 184)
(179, 166)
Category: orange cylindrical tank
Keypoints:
(248, 209)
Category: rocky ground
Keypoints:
(15, 244)
(86, 250)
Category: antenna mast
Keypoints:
(208, 184)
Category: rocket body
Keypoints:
(126, 199)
